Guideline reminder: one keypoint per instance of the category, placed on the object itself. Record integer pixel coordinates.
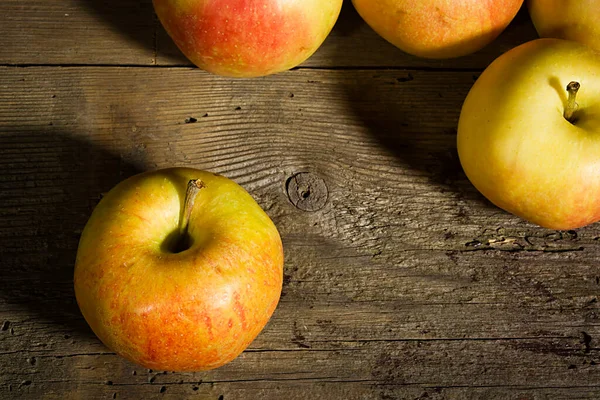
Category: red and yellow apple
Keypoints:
(529, 133)
(438, 28)
(248, 38)
(577, 20)
(178, 287)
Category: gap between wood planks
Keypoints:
(327, 379)
(586, 349)
(188, 66)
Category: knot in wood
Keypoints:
(307, 191)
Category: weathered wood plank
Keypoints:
(127, 32)
(364, 370)
(77, 32)
(405, 283)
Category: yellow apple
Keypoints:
(529, 144)
(178, 279)
(577, 20)
(438, 28)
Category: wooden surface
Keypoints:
(401, 281)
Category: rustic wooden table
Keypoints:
(401, 281)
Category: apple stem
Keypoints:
(572, 88)
(193, 188)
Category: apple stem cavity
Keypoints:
(193, 188)
(572, 89)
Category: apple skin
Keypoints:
(438, 28)
(248, 38)
(188, 311)
(567, 19)
(517, 148)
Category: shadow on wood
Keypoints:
(399, 107)
(349, 21)
(134, 18)
(49, 184)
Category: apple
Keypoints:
(438, 28)
(567, 19)
(529, 133)
(248, 38)
(178, 279)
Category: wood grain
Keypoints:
(405, 284)
(126, 32)
(77, 32)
